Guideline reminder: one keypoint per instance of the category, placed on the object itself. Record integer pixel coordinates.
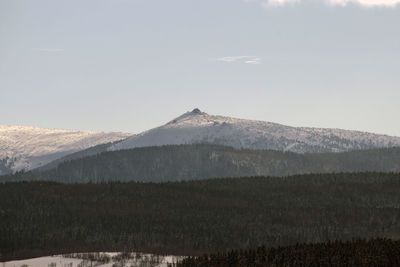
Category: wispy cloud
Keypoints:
(365, 3)
(268, 3)
(241, 59)
(49, 50)
(368, 3)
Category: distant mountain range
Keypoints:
(31, 147)
(196, 162)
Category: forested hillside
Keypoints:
(6, 165)
(43, 218)
(377, 252)
(191, 162)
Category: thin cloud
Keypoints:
(254, 61)
(267, 3)
(365, 3)
(241, 59)
(49, 50)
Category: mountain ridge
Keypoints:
(28, 147)
(199, 127)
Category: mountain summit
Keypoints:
(196, 127)
(196, 111)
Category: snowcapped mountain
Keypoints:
(199, 127)
(30, 147)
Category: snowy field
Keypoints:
(98, 259)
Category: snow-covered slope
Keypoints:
(199, 127)
(99, 259)
(30, 147)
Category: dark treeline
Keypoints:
(377, 252)
(190, 162)
(190, 218)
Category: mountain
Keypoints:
(31, 147)
(199, 127)
(196, 162)
(26, 148)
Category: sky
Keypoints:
(131, 65)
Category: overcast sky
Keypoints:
(130, 65)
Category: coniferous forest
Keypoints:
(377, 252)
(203, 161)
(206, 216)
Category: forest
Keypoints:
(196, 217)
(376, 252)
(6, 165)
(193, 162)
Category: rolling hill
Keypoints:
(194, 162)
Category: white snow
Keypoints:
(199, 127)
(136, 259)
(43, 262)
(34, 146)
